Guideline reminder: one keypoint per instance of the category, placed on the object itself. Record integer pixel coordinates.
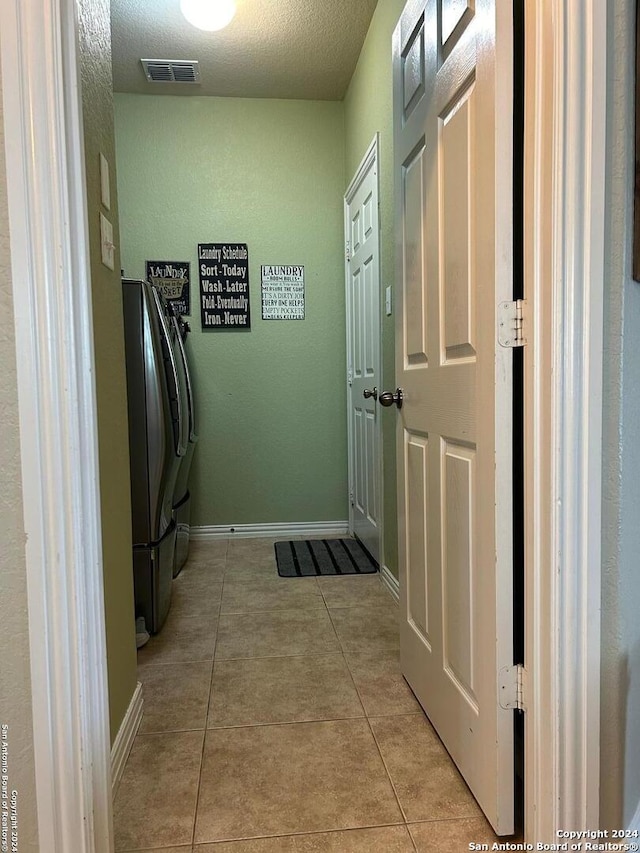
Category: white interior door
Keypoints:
(453, 154)
(363, 351)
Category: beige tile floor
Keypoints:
(276, 721)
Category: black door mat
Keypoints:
(306, 557)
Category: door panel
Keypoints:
(415, 306)
(370, 298)
(417, 502)
(458, 561)
(456, 180)
(454, 13)
(363, 306)
(357, 331)
(359, 492)
(452, 141)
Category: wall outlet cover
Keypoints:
(105, 187)
(106, 242)
(387, 301)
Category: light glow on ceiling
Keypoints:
(208, 15)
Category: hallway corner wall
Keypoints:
(271, 400)
(369, 109)
(15, 675)
(620, 666)
(108, 333)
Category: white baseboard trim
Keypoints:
(124, 739)
(390, 581)
(284, 529)
(634, 826)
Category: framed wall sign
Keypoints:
(224, 286)
(282, 292)
(172, 278)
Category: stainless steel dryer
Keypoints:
(158, 439)
(182, 495)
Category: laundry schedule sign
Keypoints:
(172, 279)
(224, 286)
(282, 292)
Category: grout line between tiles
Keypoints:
(411, 838)
(384, 764)
(282, 610)
(293, 655)
(309, 654)
(303, 608)
(418, 713)
(171, 732)
(206, 719)
(187, 848)
(355, 606)
(302, 834)
(182, 616)
(462, 818)
(271, 574)
(287, 723)
(177, 663)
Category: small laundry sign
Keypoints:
(172, 278)
(283, 292)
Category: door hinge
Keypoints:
(511, 329)
(350, 377)
(511, 694)
(347, 251)
(351, 498)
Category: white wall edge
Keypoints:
(565, 150)
(634, 826)
(578, 276)
(125, 737)
(390, 581)
(269, 530)
(58, 424)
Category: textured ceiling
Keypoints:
(272, 48)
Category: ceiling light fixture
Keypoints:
(208, 14)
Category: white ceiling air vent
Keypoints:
(171, 70)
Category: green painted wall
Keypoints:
(368, 110)
(620, 639)
(15, 672)
(272, 401)
(106, 292)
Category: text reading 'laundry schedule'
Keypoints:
(224, 286)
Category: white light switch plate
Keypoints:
(387, 300)
(106, 242)
(105, 187)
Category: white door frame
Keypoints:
(58, 425)
(565, 149)
(564, 282)
(371, 160)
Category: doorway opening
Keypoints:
(364, 354)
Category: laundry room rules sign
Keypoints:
(172, 280)
(282, 292)
(224, 286)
